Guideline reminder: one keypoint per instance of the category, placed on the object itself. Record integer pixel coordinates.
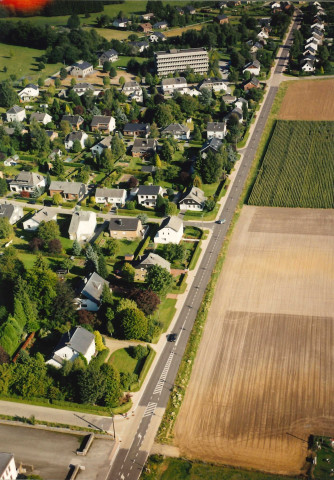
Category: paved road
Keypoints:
(129, 462)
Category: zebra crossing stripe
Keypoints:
(150, 409)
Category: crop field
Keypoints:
(298, 167)
(263, 381)
(308, 100)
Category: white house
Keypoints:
(263, 34)
(147, 261)
(43, 118)
(215, 84)
(313, 45)
(108, 56)
(240, 102)
(169, 85)
(11, 161)
(177, 131)
(129, 87)
(137, 95)
(157, 37)
(139, 47)
(81, 69)
(73, 343)
(27, 182)
(15, 114)
(318, 26)
(73, 136)
(111, 196)
(83, 87)
(193, 199)
(7, 466)
(29, 92)
(252, 67)
(82, 226)
(147, 194)
(121, 22)
(216, 130)
(92, 292)
(43, 215)
(13, 212)
(101, 146)
(170, 231)
(308, 66)
(238, 112)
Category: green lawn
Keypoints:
(166, 313)
(160, 468)
(22, 61)
(210, 189)
(124, 363)
(123, 60)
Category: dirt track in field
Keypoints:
(308, 100)
(264, 371)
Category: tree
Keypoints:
(63, 73)
(167, 152)
(73, 21)
(65, 127)
(209, 204)
(206, 97)
(91, 383)
(112, 72)
(133, 182)
(92, 260)
(58, 166)
(57, 83)
(154, 132)
(134, 324)
(3, 187)
(146, 300)
(197, 182)
(55, 246)
(143, 218)
(76, 148)
(99, 341)
(175, 252)
(171, 209)
(63, 309)
(112, 389)
(41, 66)
(211, 168)
(121, 81)
(106, 81)
(6, 228)
(112, 247)
(48, 231)
(197, 136)
(39, 138)
(8, 96)
(57, 199)
(76, 248)
(163, 115)
(102, 267)
(159, 279)
(128, 272)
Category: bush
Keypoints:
(138, 352)
(100, 358)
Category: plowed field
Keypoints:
(263, 378)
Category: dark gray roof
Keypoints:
(135, 127)
(213, 144)
(222, 17)
(216, 126)
(159, 35)
(94, 287)
(73, 119)
(254, 63)
(110, 192)
(148, 168)
(82, 65)
(176, 129)
(77, 338)
(38, 116)
(6, 210)
(148, 190)
(143, 144)
(73, 188)
(15, 109)
(28, 178)
(159, 24)
(194, 193)
(254, 81)
(31, 85)
(139, 44)
(123, 224)
(173, 81)
(110, 53)
(100, 119)
(5, 459)
(43, 215)
(79, 86)
(73, 136)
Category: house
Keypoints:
(121, 23)
(148, 169)
(147, 16)
(190, 10)
(221, 19)
(160, 25)
(11, 161)
(137, 95)
(74, 120)
(29, 92)
(56, 152)
(147, 194)
(169, 85)
(111, 196)
(102, 145)
(15, 114)
(318, 26)
(252, 67)
(315, 38)
(43, 215)
(179, 10)
(228, 99)
(308, 66)
(43, 118)
(81, 69)
(82, 226)
(144, 147)
(275, 5)
(125, 228)
(92, 292)
(68, 190)
(189, 91)
(103, 123)
(157, 37)
(257, 46)
(215, 84)
(309, 50)
(108, 56)
(137, 129)
(27, 182)
(130, 87)
(170, 231)
(216, 130)
(193, 199)
(252, 83)
(77, 341)
(313, 45)
(212, 145)
(7, 466)
(13, 212)
(145, 27)
(263, 34)
(146, 262)
(139, 46)
(177, 131)
(51, 134)
(81, 88)
(79, 136)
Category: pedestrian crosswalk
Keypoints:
(160, 385)
(150, 409)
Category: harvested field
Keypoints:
(308, 100)
(263, 377)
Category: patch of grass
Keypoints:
(192, 232)
(195, 256)
(162, 468)
(22, 62)
(123, 60)
(111, 33)
(124, 363)
(166, 313)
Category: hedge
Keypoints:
(195, 257)
(101, 358)
(143, 247)
(144, 371)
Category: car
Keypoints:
(222, 220)
(172, 337)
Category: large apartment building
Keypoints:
(180, 60)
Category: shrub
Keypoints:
(138, 352)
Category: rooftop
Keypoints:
(154, 259)
(78, 338)
(94, 287)
(110, 192)
(175, 223)
(78, 217)
(124, 224)
(66, 187)
(173, 81)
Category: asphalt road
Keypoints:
(128, 463)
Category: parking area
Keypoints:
(51, 453)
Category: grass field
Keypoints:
(22, 62)
(123, 362)
(308, 100)
(298, 168)
(160, 468)
(262, 380)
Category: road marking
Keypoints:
(150, 409)
(159, 386)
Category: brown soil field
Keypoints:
(308, 100)
(263, 381)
